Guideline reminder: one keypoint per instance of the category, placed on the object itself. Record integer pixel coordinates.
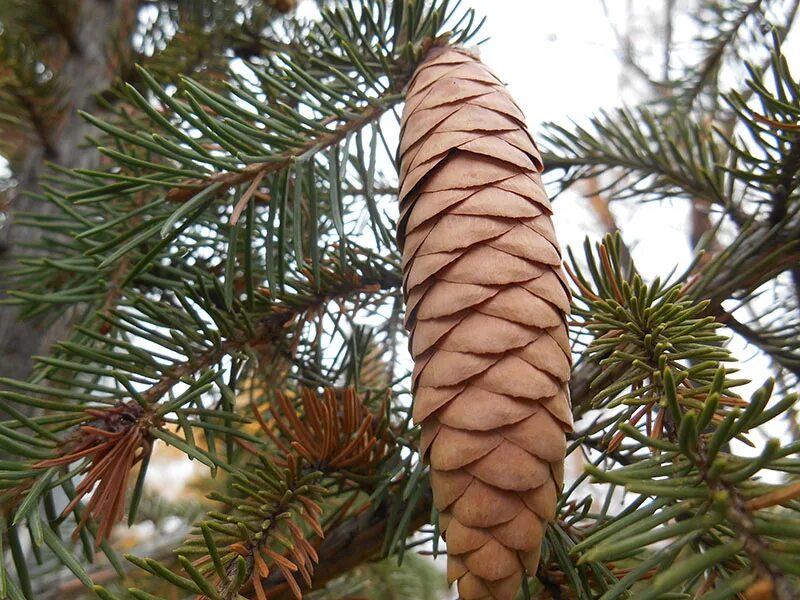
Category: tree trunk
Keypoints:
(85, 71)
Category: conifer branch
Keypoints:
(37, 121)
(355, 541)
(366, 116)
(754, 545)
(787, 185)
(234, 247)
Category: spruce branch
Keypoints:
(649, 154)
(231, 548)
(782, 585)
(355, 541)
(219, 255)
(334, 437)
(675, 367)
(116, 449)
(364, 117)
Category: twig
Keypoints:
(713, 58)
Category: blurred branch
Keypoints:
(627, 49)
(64, 25)
(87, 73)
(669, 17)
(760, 340)
(713, 59)
(788, 182)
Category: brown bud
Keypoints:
(763, 589)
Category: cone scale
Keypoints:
(486, 305)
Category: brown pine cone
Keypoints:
(486, 302)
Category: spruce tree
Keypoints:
(235, 278)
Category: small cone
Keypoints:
(486, 308)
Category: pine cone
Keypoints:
(486, 302)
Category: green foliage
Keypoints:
(770, 164)
(639, 330)
(232, 547)
(236, 246)
(670, 436)
(650, 155)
